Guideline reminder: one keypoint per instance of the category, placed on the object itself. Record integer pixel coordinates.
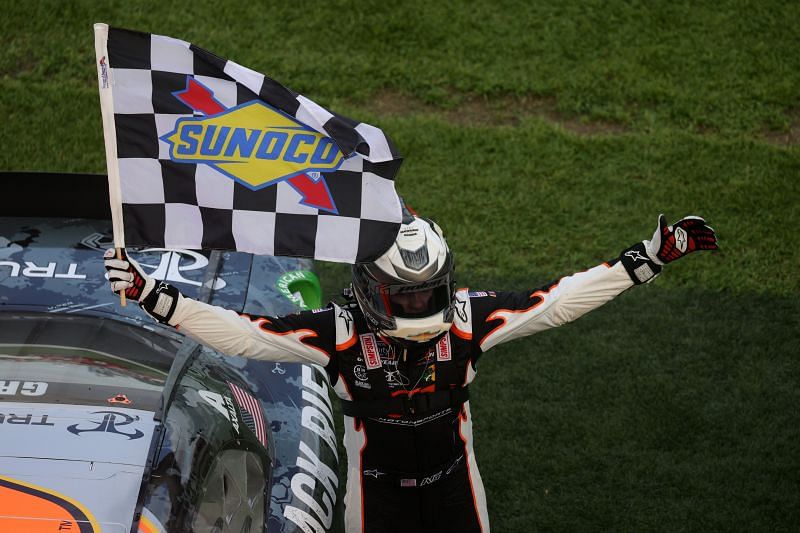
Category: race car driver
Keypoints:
(401, 356)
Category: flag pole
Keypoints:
(110, 135)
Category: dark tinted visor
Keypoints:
(406, 301)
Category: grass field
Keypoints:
(545, 137)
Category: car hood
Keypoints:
(78, 465)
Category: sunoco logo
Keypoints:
(253, 144)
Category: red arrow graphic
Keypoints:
(314, 193)
(200, 98)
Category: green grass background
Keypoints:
(544, 137)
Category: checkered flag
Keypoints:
(204, 153)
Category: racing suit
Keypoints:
(408, 429)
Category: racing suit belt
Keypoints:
(416, 479)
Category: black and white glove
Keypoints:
(157, 298)
(644, 260)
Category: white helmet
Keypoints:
(407, 293)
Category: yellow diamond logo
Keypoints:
(253, 144)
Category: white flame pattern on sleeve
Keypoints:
(570, 298)
(233, 334)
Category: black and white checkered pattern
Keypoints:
(193, 206)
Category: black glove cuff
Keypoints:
(161, 302)
(640, 267)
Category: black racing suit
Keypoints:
(408, 429)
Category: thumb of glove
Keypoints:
(126, 275)
(653, 246)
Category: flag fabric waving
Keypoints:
(212, 155)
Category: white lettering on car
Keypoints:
(315, 476)
(32, 270)
(223, 405)
(28, 388)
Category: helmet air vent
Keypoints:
(415, 259)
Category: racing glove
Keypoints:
(644, 260)
(157, 298)
(687, 235)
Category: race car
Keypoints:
(111, 422)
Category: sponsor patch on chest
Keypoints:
(369, 347)
(443, 351)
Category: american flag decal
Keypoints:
(251, 412)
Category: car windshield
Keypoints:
(81, 360)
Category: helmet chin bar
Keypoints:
(418, 329)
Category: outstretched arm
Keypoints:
(503, 316)
(303, 337)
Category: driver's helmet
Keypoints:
(407, 294)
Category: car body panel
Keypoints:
(82, 433)
(98, 453)
(52, 266)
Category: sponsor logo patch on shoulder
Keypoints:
(477, 294)
(369, 346)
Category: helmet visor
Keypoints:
(384, 298)
(416, 301)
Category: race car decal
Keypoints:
(75, 433)
(112, 421)
(32, 270)
(251, 411)
(33, 509)
(28, 388)
(314, 483)
(223, 405)
(148, 523)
